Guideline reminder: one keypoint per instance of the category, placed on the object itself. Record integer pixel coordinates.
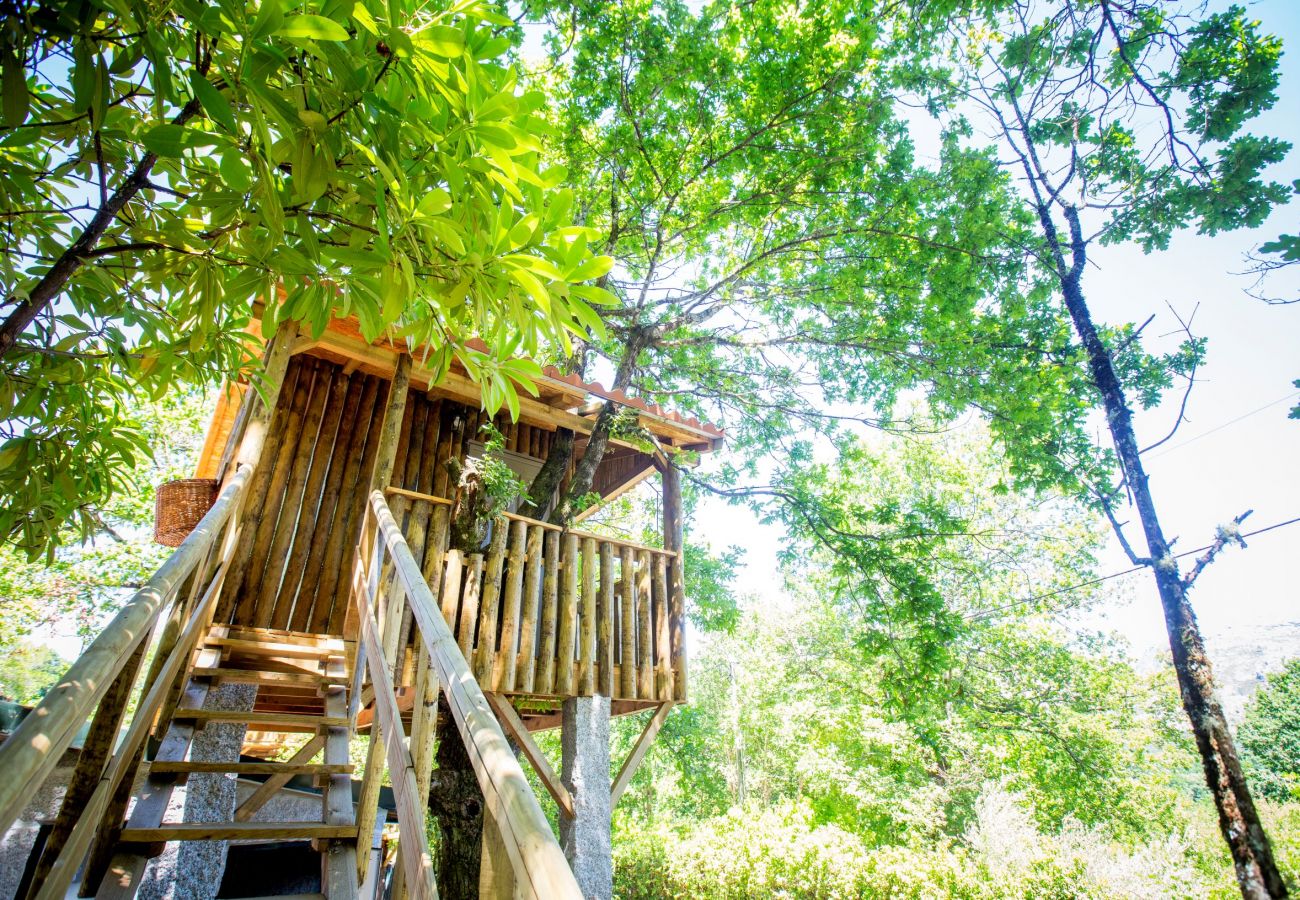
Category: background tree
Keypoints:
(165, 166)
(1270, 735)
(1124, 121)
(728, 160)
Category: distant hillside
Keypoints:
(1242, 656)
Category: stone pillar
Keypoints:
(584, 742)
(192, 870)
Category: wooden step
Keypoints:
(237, 831)
(162, 767)
(249, 676)
(275, 648)
(328, 642)
(264, 721)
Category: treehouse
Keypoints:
(327, 591)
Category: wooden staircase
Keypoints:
(141, 692)
(302, 689)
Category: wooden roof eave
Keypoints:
(550, 411)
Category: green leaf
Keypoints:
(167, 141)
(214, 102)
(270, 15)
(17, 102)
(316, 28)
(591, 269)
(444, 40)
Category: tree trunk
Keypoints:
(585, 472)
(457, 805)
(546, 483)
(1252, 854)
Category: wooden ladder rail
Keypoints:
(102, 680)
(380, 592)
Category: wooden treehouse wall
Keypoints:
(293, 566)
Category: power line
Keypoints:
(1090, 582)
(1239, 418)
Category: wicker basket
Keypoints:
(178, 507)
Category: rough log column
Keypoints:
(584, 743)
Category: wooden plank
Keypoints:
(270, 607)
(518, 732)
(246, 676)
(255, 506)
(265, 721)
(544, 683)
(605, 623)
(644, 629)
(627, 624)
(269, 788)
(567, 638)
(237, 831)
(526, 665)
(304, 651)
(246, 607)
(315, 505)
(250, 768)
(507, 660)
(587, 620)
(356, 511)
(490, 602)
(662, 666)
(336, 533)
(633, 761)
(326, 643)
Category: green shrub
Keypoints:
(781, 853)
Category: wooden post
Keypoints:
(545, 682)
(274, 365)
(674, 540)
(392, 427)
(644, 641)
(527, 667)
(567, 634)
(605, 623)
(627, 648)
(508, 659)
(394, 413)
(490, 603)
(587, 620)
(264, 405)
(663, 672)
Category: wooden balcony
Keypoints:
(543, 613)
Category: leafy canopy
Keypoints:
(369, 159)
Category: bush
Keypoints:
(780, 853)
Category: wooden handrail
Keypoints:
(536, 859)
(417, 865)
(550, 526)
(36, 745)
